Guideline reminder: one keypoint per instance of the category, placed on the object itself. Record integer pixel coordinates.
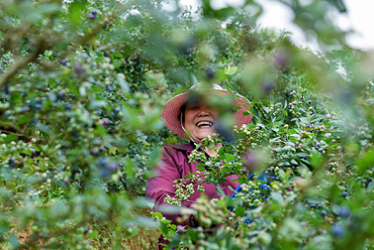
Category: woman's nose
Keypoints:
(204, 111)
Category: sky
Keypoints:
(359, 18)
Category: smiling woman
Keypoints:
(190, 116)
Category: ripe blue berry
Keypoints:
(337, 230)
(91, 16)
(210, 74)
(94, 12)
(64, 62)
(94, 151)
(323, 213)
(344, 212)
(344, 194)
(68, 106)
(11, 162)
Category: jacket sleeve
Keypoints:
(161, 184)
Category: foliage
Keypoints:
(82, 86)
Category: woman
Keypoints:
(188, 116)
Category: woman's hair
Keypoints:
(193, 97)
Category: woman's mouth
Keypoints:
(204, 124)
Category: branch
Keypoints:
(11, 125)
(6, 76)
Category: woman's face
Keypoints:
(199, 120)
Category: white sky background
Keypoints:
(359, 17)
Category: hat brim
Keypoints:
(171, 111)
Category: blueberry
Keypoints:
(23, 110)
(337, 230)
(281, 59)
(11, 162)
(344, 194)
(94, 151)
(68, 106)
(291, 94)
(118, 109)
(102, 162)
(34, 120)
(75, 133)
(105, 121)
(210, 74)
(320, 150)
(323, 213)
(32, 151)
(60, 95)
(101, 148)
(112, 51)
(78, 69)
(91, 16)
(312, 205)
(99, 112)
(112, 166)
(344, 212)
(64, 62)
(267, 86)
(94, 12)
(309, 101)
(38, 107)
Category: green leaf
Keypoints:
(239, 211)
(277, 197)
(93, 234)
(220, 191)
(75, 12)
(10, 137)
(117, 63)
(232, 70)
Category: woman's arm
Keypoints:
(161, 185)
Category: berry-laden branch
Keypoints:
(17, 66)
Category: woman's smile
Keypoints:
(199, 121)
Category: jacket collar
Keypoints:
(185, 147)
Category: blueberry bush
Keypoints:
(82, 87)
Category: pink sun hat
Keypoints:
(171, 112)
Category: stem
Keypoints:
(17, 66)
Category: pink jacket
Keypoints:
(174, 165)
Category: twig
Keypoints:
(9, 132)
(6, 76)
(11, 125)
